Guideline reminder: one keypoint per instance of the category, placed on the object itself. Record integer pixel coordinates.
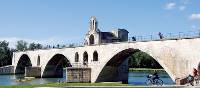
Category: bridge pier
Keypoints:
(6, 70)
(33, 72)
(78, 74)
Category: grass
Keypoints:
(66, 84)
(146, 70)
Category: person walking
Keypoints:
(160, 35)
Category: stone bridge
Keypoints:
(108, 62)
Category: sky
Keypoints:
(67, 21)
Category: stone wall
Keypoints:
(5, 70)
(33, 72)
(78, 74)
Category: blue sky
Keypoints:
(67, 21)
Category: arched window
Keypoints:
(38, 61)
(85, 58)
(95, 56)
(91, 39)
(76, 57)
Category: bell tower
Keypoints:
(93, 35)
(93, 24)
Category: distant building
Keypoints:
(95, 36)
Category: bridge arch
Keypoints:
(24, 61)
(54, 67)
(110, 71)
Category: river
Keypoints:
(137, 78)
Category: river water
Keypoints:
(134, 78)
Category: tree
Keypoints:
(5, 54)
(32, 46)
(21, 45)
(71, 45)
(142, 60)
(58, 46)
(39, 46)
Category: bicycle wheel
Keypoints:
(148, 82)
(158, 82)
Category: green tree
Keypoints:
(21, 45)
(39, 46)
(5, 54)
(32, 46)
(142, 60)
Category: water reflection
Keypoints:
(134, 78)
(139, 78)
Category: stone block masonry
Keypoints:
(6, 70)
(33, 72)
(75, 74)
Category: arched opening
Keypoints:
(76, 57)
(38, 61)
(85, 59)
(117, 68)
(91, 39)
(95, 56)
(23, 62)
(54, 68)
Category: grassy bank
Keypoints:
(146, 70)
(66, 84)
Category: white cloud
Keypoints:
(170, 6)
(195, 16)
(181, 8)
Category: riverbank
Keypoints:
(94, 85)
(66, 85)
(146, 70)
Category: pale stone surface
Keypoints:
(177, 57)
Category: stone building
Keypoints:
(95, 36)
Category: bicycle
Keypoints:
(154, 81)
(190, 80)
(195, 81)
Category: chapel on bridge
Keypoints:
(95, 36)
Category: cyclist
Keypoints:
(155, 76)
(154, 79)
(194, 72)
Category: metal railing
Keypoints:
(167, 36)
